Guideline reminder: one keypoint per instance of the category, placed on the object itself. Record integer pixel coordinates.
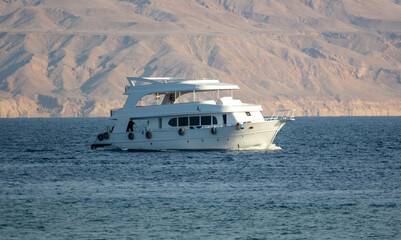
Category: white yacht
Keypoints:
(183, 114)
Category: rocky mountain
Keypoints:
(323, 57)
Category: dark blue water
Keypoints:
(335, 178)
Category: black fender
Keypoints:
(149, 134)
(213, 130)
(106, 135)
(131, 136)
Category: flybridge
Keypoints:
(172, 88)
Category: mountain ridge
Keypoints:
(324, 58)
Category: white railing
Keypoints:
(287, 114)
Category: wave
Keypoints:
(264, 147)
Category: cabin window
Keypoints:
(224, 118)
(206, 120)
(194, 121)
(248, 113)
(173, 122)
(183, 121)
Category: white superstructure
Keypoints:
(174, 113)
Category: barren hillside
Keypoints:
(322, 57)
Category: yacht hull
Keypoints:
(250, 135)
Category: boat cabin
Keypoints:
(165, 103)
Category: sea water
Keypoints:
(328, 178)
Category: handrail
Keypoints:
(287, 114)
